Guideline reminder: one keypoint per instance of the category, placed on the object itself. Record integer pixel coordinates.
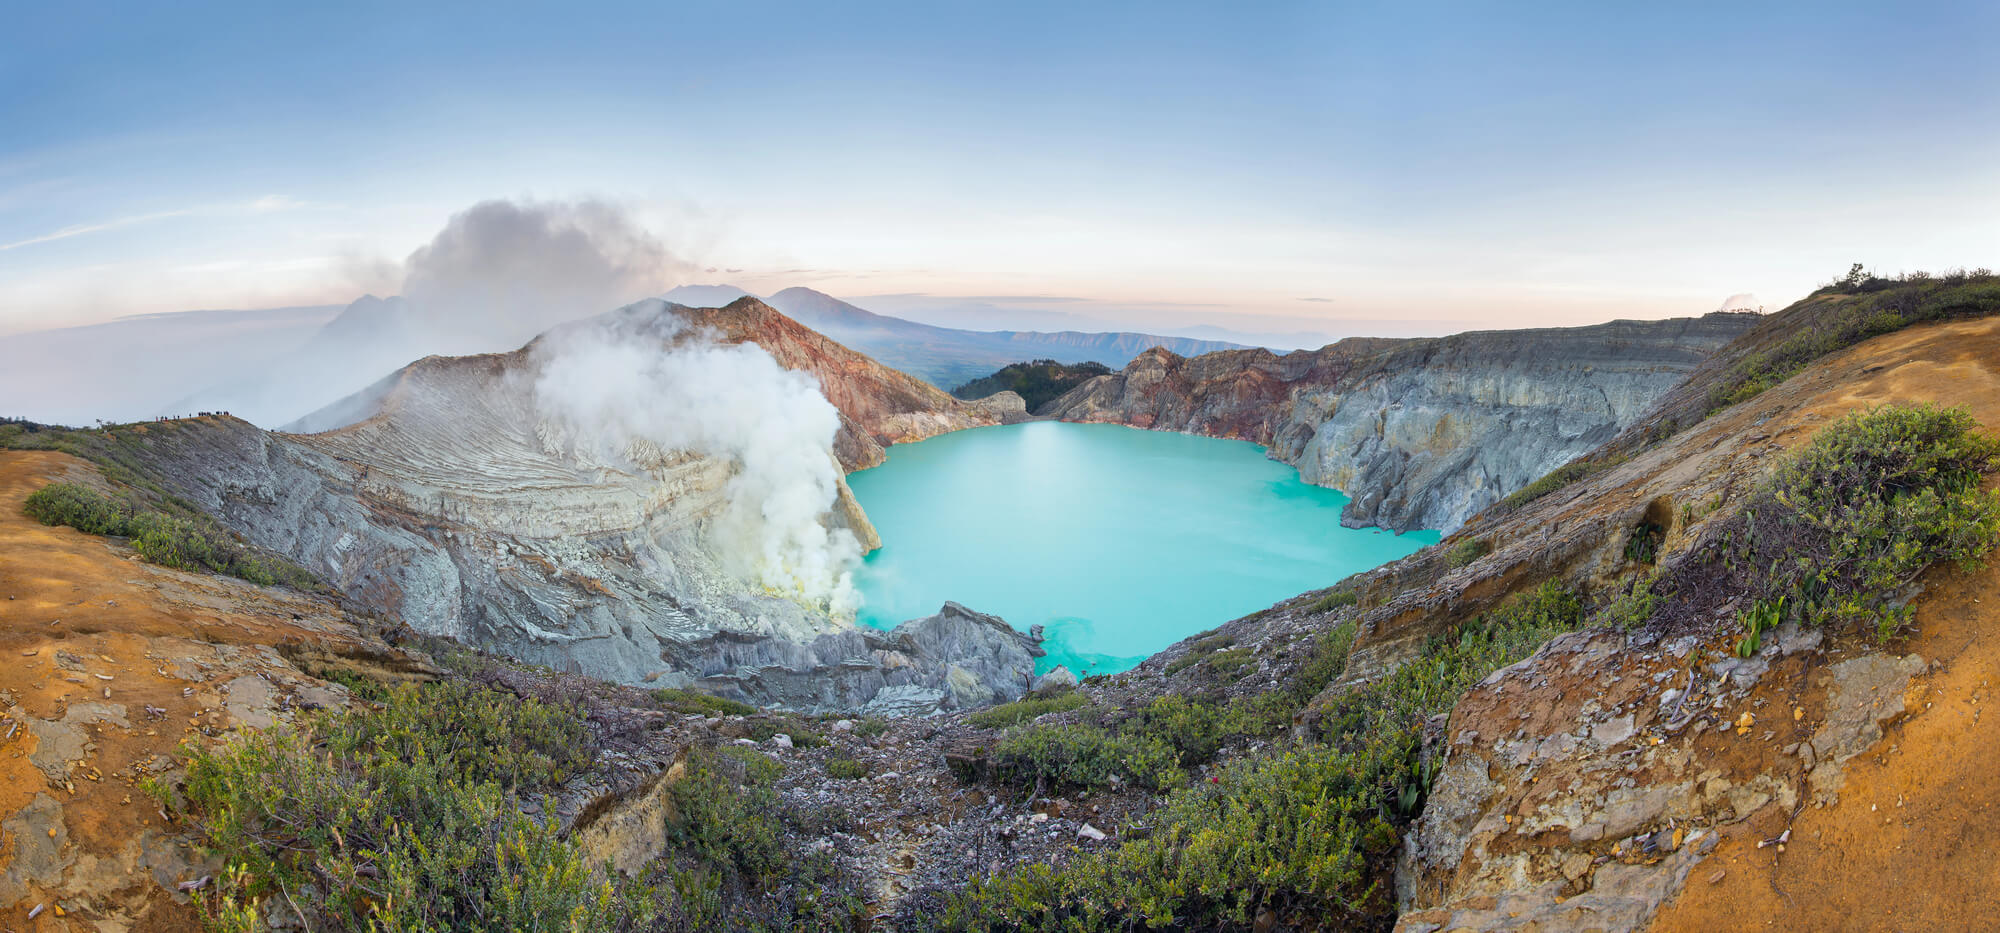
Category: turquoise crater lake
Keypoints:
(1120, 541)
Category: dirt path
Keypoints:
(106, 664)
(1912, 842)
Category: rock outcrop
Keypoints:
(446, 502)
(955, 659)
(1654, 779)
(1421, 433)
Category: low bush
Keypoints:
(1643, 546)
(870, 728)
(1085, 756)
(1847, 524)
(1338, 599)
(189, 541)
(1158, 743)
(1557, 478)
(1466, 551)
(694, 702)
(1307, 833)
(1024, 709)
(398, 818)
(1631, 604)
(1850, 311)
(1229, 663)
(408, 817)
(803, 736)
(846, 769)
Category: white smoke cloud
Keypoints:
(501, 272)
(623, 393)
(1742, 301)
(497, 274)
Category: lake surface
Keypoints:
(1121, 541)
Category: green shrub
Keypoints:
(1871, 502)
(399, 818)
(1644, 544)
(1761, 618)
(1307, 833)
(1326, 660)
(1466, 551)
(870, 728)
(1338, 599)
(79, 507)
(1085, 756)
(802, 735)
(1024, 709)
(1213, 643)
(408, 817)
(1631, 605)
(1561, 476)
(1848, 312)
(694, 702)
(846, 769)
(1229, 663)
(183, 541)
(721, 808)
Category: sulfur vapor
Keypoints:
(623, 393)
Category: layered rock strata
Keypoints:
(1421, 433)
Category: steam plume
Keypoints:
(501, 272)
(623, 393)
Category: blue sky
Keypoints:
(1482, 164)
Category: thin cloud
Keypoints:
(1320, 300)
(264, 205)
(86, 229)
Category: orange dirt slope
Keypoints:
(106, 664)
(1911, 843)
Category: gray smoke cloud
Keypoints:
(1741, 301)
(501, 271)
(629, 394)
(496, 275)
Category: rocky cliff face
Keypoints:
(1421, 433)
(447, 503)
(1654, 779)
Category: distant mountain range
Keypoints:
(273, 366)
(144, 365)
(946, 357)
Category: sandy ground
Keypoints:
(1912, 842)
(107, 664)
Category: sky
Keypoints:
(1324, 165)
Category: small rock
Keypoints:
(1717, 877)
(843, 725)
(1037, 818)
(1057, 678)
(781, 740)
(1090, 832)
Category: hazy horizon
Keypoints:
(1488, 166)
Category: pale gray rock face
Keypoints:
(1420, 433)
(955, 659)
(457, 504)
(615, 586)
